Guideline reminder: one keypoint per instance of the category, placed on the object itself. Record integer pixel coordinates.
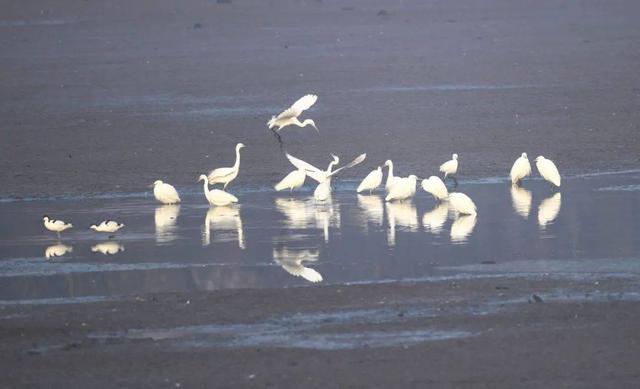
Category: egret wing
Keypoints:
(311, 170)
(351, 164)
(296, 109)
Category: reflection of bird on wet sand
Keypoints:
(434, 220)
(327, 216)
(298, 213)
(57, 250)
(462, 227)
(521, 200)
(109, 247)
(400, 214)
(292, 262)
(223, 219)
(549, 209)
(165, 222)
(372, 209)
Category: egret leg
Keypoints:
(455, 180)
(278, 137)
(58, 232)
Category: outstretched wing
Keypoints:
(296, 109)
(311, 170)
(351, 164)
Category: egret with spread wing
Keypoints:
(290, 116)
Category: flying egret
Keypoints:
(290, 116)
(54, 225)
(107, 248)
(225, 218)
(216, 196)
(291, 181)
(461, 203)
(57, 250)
(107, 226)
(165, 218)
(165, 193)
(548, 170)
(549, 209)
(292, 263)
(372, 181)
(391, 180)
(434, 220)
(450, 168)
(403, 189)
(521, 200)
(436, 188)
(224, 175)
(323, 190)
(521, 168)
(462, 227)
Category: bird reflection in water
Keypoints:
(433, 220)
(165, 221)
(107, 248)
(402, 214)
(372, 209)
(521, 200)
(292, 261)
(57, 250)
(327, 215)
(220, 219)
(299, 214)
(549, 209)
(462, 227)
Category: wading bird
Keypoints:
(54, 225)
(548, 170)
(404, 188)
(436, 187)
(216, 196)
(521, 168)
(165, 193)
(291, 181)
(450, 168)
(461, 203)
(224, 175)
(372, 181)
(290, 116)
(106, 226)
(391, 180)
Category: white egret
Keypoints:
(391, 180)
(165, 219)
(107, 248)
(462, 227)
(548, 170)
(225, 218)
(291, 181)
(521, 168)
(400, 214)
(165, 193)
(549, 209)
(461, 203)
(434, 220)
(521, 200)
(224, 175)
(436, 187)
(372, 181)
(450, 168)
(106, 226)
(292, 263)
(56, 226)
(404, 188)
(323, 190)
(216, 196)
(57, 250)
(290, 115)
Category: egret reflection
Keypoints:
(372, 209)
(292, 261)
(462, 227)
(220, 219)
(298, 213)
(165, 220)
(433, 220)
(109, 247)
(549, 209)
(327, 215)
(57, 250)
(403, 214)
(521, 200)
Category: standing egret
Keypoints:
(291, 181)
(436, 188)
(106, 226)
(165, 193)
(372, 181)
(290, 116)
(548, 209)
(450, 168)
(548, 170)
(54, 225)
(521, 200)
(461, 203)
(391, 180)
(434, 220)
(292, 263)
(216, 196)
(521, 168)
(224, 175)
(403, 189)
(323, 190)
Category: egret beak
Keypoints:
(316, 128)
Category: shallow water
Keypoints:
(274, 240)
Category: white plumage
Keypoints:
(549, 209)
(165, 193)
(107, 248)
(521, 168)
(54, 225)
(391, 179)
(292, 263)
(461, 203)
(548, 170)
(372, 181)
(291, 181)
(290, 115)
(107, 226)
(450, 168)
(403, 189)
(216, 196)
(436, 188)
(224, 175)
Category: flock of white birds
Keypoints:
(396, 188)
